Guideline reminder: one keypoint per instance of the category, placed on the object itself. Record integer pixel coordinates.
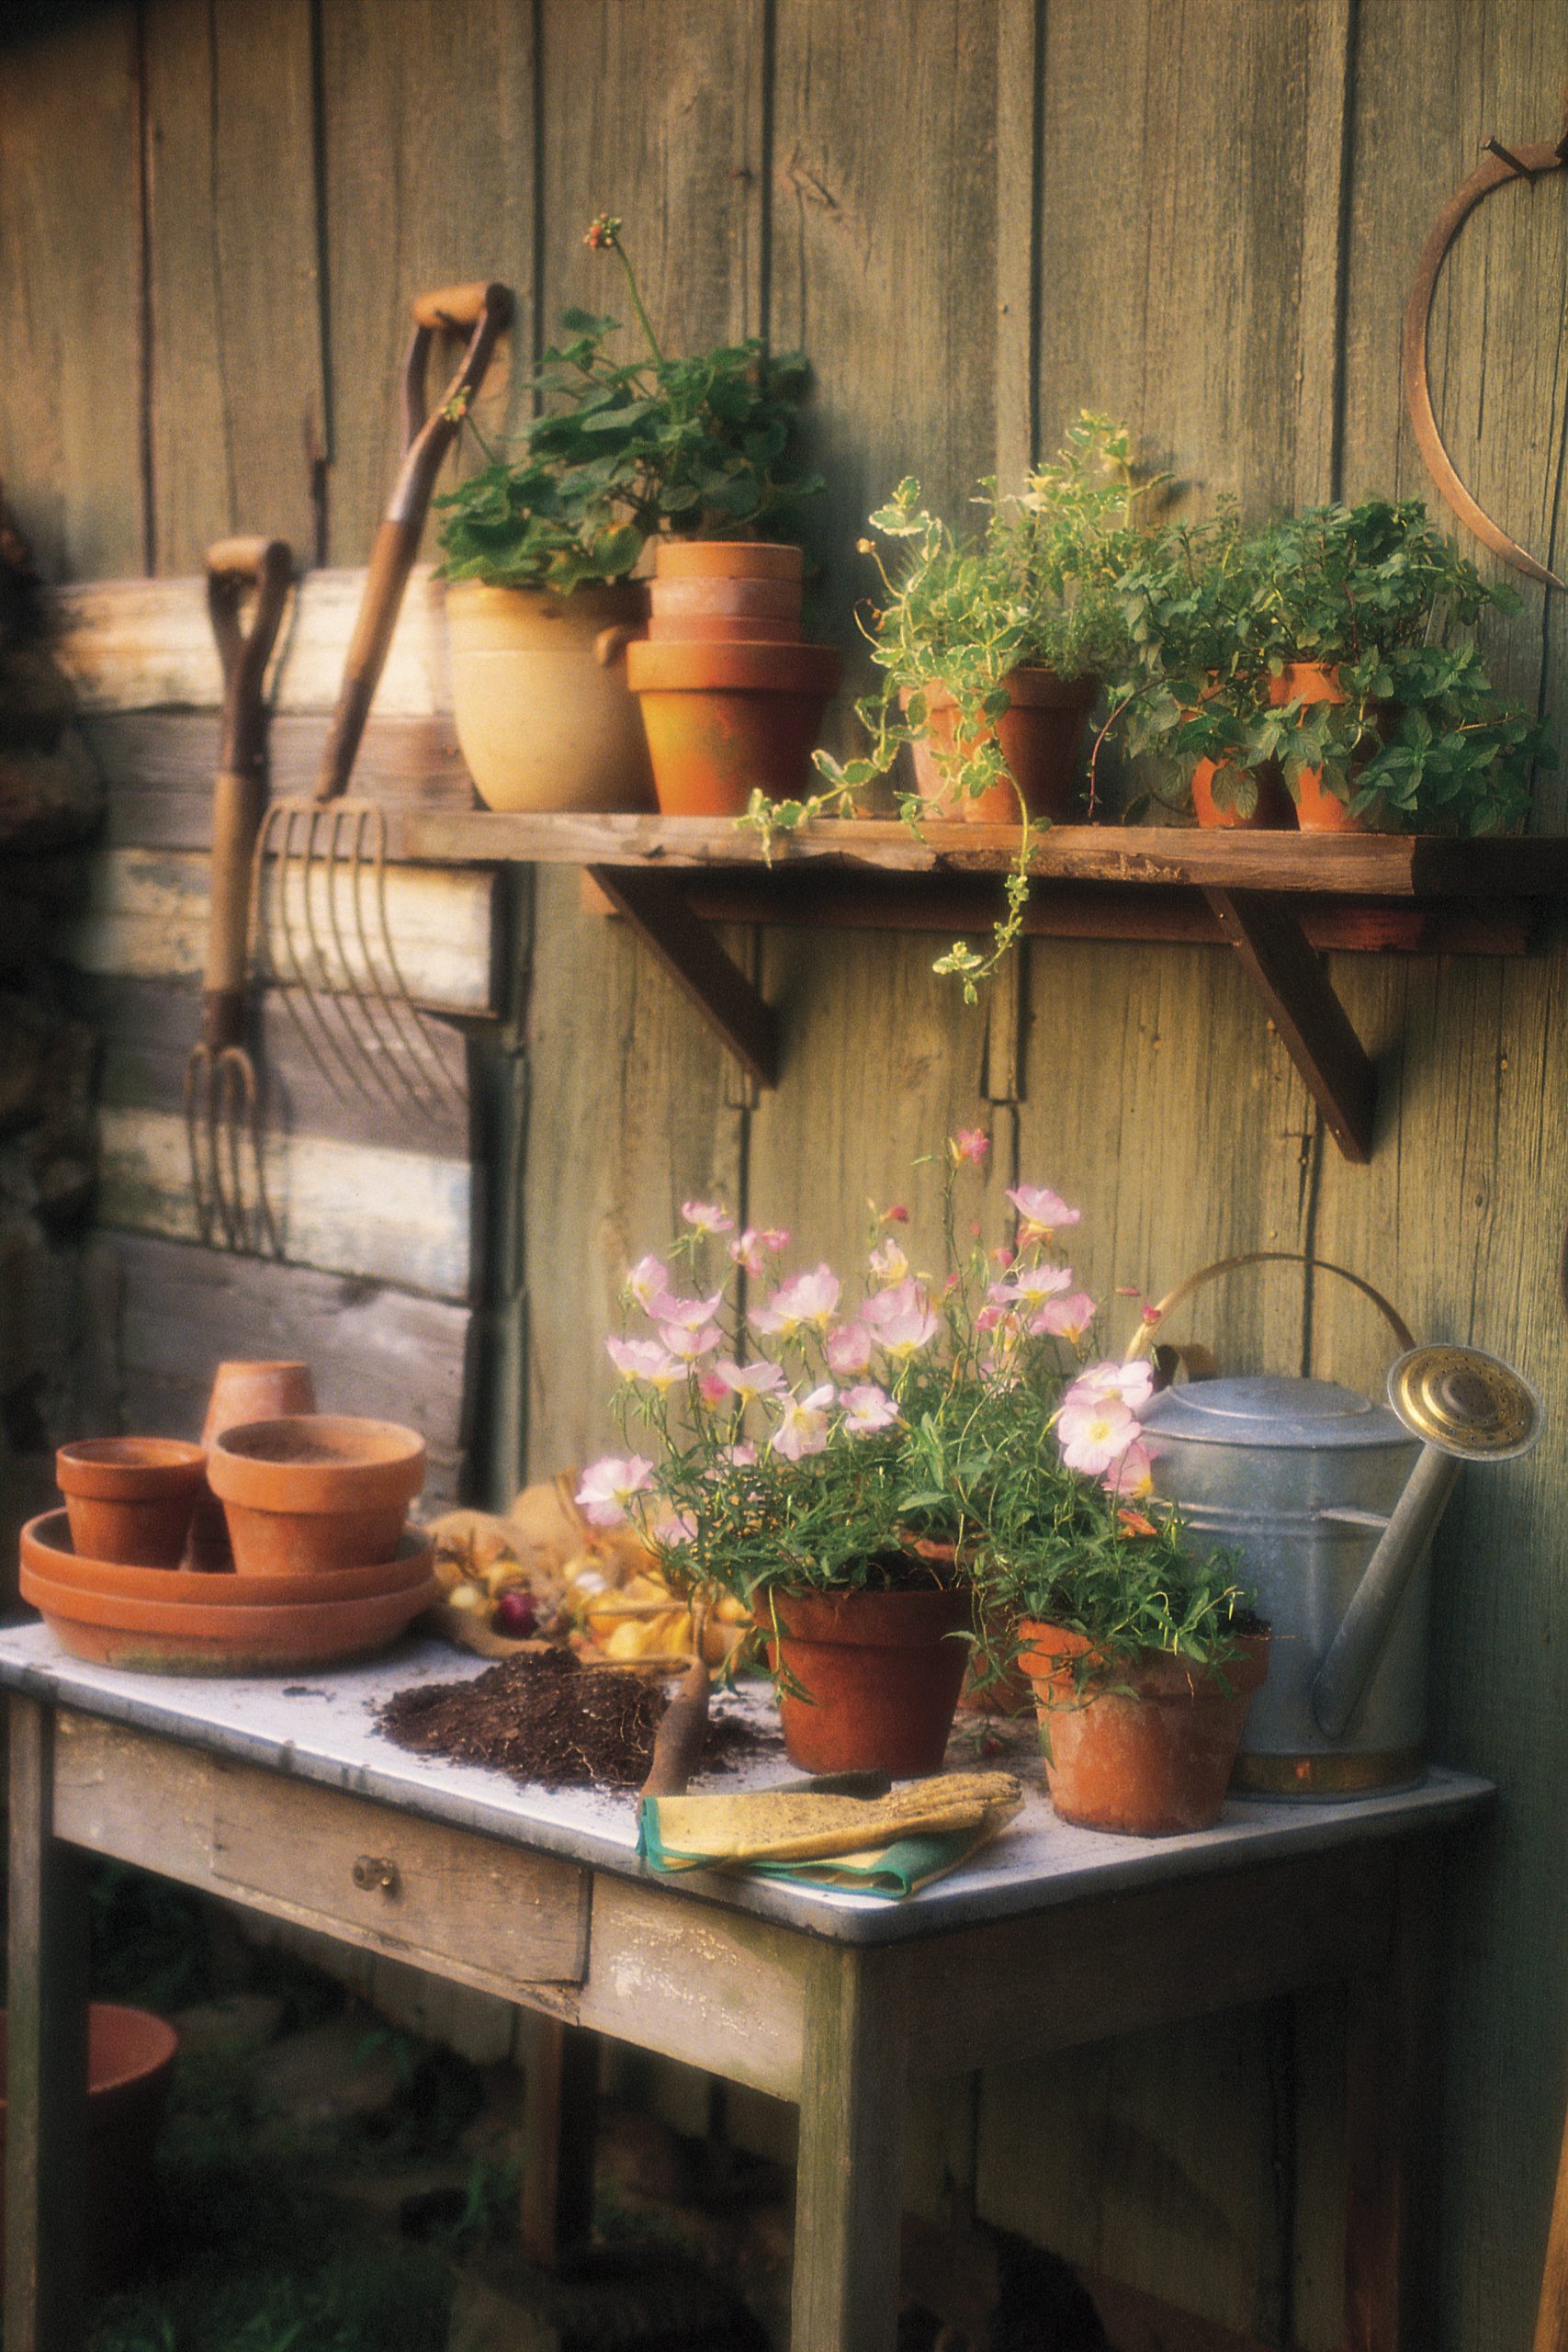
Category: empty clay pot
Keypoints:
(1153, 1757)
(48, 1552)
(217, 1635)
(242, 1391)
(1039, 732)
(131, 2054)
(723, 719)
(130, 1499)
(706, 609)
(321, 1490)
(539, 695)
(881, 1673)
(729, 559)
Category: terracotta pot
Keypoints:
(130, 1499)
(1318, 810)
(1039, 733)
(130, 2055)
(725, 719)
(1152, 1757)
(704, 609)
(729, 559)
(882, 1672)
(242, 1391)
(315, 1491)
(539, 695)
(1008, 1693)
(48, 1552)
(1273, 813)
(216, 1636)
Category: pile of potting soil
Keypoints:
(540, 1717)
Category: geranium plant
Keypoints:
(805, 1433)
(624, 449)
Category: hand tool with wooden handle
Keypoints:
(327, 939)
(222, 1103)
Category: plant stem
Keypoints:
(643, 319)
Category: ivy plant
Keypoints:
(624, 450)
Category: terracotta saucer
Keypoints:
(175, 1637)
(48, 1552)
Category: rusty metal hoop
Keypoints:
(1501, 166)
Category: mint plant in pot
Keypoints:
(541, 546)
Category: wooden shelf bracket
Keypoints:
(657, 907)
(1299, 995)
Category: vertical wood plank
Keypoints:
(238, 410)
(428, 144)
(46, 2065)
(561, 2099)
(70, 451)
(850, 2172)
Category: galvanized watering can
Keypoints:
(1330, 1501)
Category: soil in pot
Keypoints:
(1039, 734)
(876, 1676)
(540, 700)
(130, 2055)
(130, 1499)
(319, 1490)
(1318, 810)
(1152, 1756)
(726, 719)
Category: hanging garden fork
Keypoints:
(222, 1094)
(320, 923)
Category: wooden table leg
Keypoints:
(850, 2178)
(46, 2056)
(560, 2124)
(1390, 2058)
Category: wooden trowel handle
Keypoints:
(682, 1731)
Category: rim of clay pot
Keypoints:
(307, 1462)
(47, 1551)
(125, 2045)
(129, 1469)
(226, 1620)
(729, 559)
(724, 599)
(1028, 687)
(1147, 1674)
(732, 665)
(866, 1620)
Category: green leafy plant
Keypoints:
(1373, 593)
(1035, 588)
(623, 450)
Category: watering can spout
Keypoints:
(1464, 1405)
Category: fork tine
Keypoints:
(400, 1007)
(299, 995)
(198, 1080)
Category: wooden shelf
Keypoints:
(1276, 899)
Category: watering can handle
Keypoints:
(1144, 1337)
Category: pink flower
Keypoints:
(1133, 1383)
(740, 1457)
(673, 1526)
(648, 1279)
(1064, 1318)
(712, 1390)
(804, 1427)
(867, 1408)
(987, 1319)
(643, 1360)
(896, 1215)
(849, 1349)
(1094, 1433)
(610, 1486)
(749, 1249)
(688, 1346)
(1041, 1211)
(750, 1380)
(1031, 1288)
(707, 1216)
(1133, 1474)
(969, 1143)
(806, 1298)
(901, 1318)
(888, 1262)
(686, 1314)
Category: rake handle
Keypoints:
(239, 795)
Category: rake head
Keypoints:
(319, 933)
(224, 1136)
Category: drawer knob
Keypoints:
(377, 1872)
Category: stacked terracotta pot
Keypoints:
(732, 697)
(282, 1540)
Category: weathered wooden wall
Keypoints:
(977, 216)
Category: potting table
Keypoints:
(285, 1798)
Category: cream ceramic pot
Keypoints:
(539, 695)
